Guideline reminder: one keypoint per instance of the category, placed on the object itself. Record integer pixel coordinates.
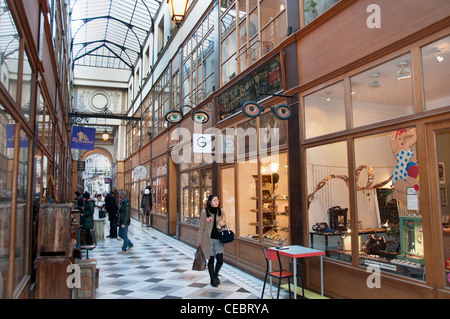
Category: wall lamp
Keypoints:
(253, 109)
(176, 115)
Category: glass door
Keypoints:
(227, 199)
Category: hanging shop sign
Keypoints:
(83, 138)
(201, 143)
(107, 180)
(139, 172)
(266, 79)
(81, 166)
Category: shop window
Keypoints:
(249, 217)
(443, 157)
(388, 203)
(9, 51)
(40, 115)
(228, 200)
(22, 209)
(383, 92)
(196, 186)
(263, 205)
(6, 158)
(325, 111)
(328, 200)
(159, 186)
(436, 65)
(314, 8)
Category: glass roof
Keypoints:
(111, 33)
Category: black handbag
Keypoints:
(226, 235)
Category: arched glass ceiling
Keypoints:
(110, 33)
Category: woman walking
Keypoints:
(212, 219)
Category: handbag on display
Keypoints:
(199, 260)
(226, 235)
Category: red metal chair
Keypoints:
(273, 255)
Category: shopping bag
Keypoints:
(226, 235)
(199, 260)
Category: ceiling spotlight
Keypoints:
(328, 99)
(352, 84)
(105, 135)
(438, 56)
(374, 82)
(403, 73)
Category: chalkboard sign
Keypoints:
(266, 79)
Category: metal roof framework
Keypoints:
(111, 33)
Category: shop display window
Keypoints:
(436, 68)
(228, 199)
(443, 157)
(264, 205)
(388, 203)
(22, 208)
(159, 186)
(329, 217)
(196, 186)
(383, 92)
(325, 111)
(314, 8)
(6, 158)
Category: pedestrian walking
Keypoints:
(124, 221)
(212, 219)
(113, 214)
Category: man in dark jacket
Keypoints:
(124, 213)
(111, 208)
(146, 205)
(87, 217)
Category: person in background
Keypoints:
(99, 203)
(146, 205)
(113, 213)
(79, 200)
(124, 221)
(87, 216)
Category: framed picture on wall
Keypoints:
(441, 172)
(443, 195)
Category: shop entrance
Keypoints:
(439, 137)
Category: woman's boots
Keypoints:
(214, 272)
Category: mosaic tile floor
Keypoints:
(160, 267)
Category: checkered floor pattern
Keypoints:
(160, 267)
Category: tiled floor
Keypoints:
(160, 267)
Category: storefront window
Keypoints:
(275, 200)
(9, 51)
(196, 186)
(6, 158)
(228, 200)
(21, 215)
(388, 203)
(325, 111)
(314, 8)
(249, 218)
(273, 23)
(443, 157)
(159, 185)
(328, 200)
(436, 63)
(383, 92)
